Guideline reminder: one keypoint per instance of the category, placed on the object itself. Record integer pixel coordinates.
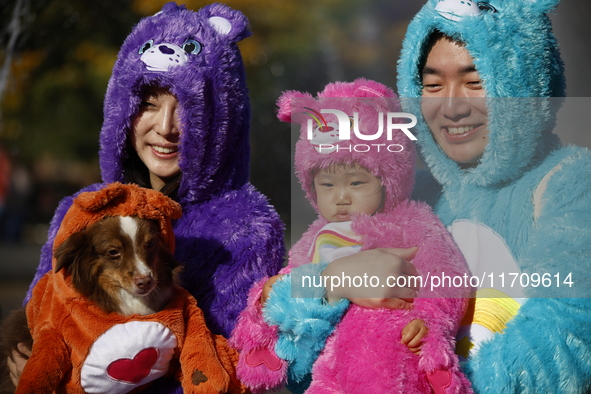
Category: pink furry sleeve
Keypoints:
(258, 368)
(442, 308)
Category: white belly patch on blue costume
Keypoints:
(496, 301)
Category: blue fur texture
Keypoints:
(547, 346)
(304, 323)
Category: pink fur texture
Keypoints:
(252, 335)
(369, 100)
(364, 354)
(258, 366)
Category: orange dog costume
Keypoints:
(78, 348)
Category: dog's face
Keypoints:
(120, 263)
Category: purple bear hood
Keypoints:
(195, 55)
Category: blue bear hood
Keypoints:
(210, 87)
(517, 58)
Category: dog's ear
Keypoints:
(71, 250)
(165, 263)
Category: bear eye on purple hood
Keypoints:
(149, 44)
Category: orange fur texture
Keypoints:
(66, 324)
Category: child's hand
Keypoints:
(412, 335)
(268, 286)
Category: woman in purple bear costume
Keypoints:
(176, 118)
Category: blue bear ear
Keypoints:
(543, 6)
(226, 22)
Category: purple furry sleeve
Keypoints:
(47, 249)
(226, 245)
(259, 367)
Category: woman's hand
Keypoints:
(390, 265)
(413, 334)
(16, 363)
(267, 287)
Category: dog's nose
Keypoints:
(143, 282)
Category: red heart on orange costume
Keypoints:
(133, 371)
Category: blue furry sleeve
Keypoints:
(546, 348)
(304, 323)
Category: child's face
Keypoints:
(343, 190)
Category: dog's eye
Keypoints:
(114, 253)
(151, 243)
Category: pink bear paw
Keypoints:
(439, 380)
(259, 356)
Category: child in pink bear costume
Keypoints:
(354, 349)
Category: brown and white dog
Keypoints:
(121, 264)
(109, 317)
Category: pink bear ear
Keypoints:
(284, 104)
(367, 88)
(381, 97)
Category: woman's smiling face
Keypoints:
(156, 135)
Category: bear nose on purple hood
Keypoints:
(165, 50)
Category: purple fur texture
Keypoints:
(210, 88)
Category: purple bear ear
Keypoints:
(171, 7)
(226, 21)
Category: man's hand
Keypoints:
(383, 263)
(412, 335)
(16, 363)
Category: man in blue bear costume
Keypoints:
(488, 79)
(516, 201)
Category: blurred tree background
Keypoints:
(61, 60)
(57, 55)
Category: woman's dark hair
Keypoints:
(135, 171)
